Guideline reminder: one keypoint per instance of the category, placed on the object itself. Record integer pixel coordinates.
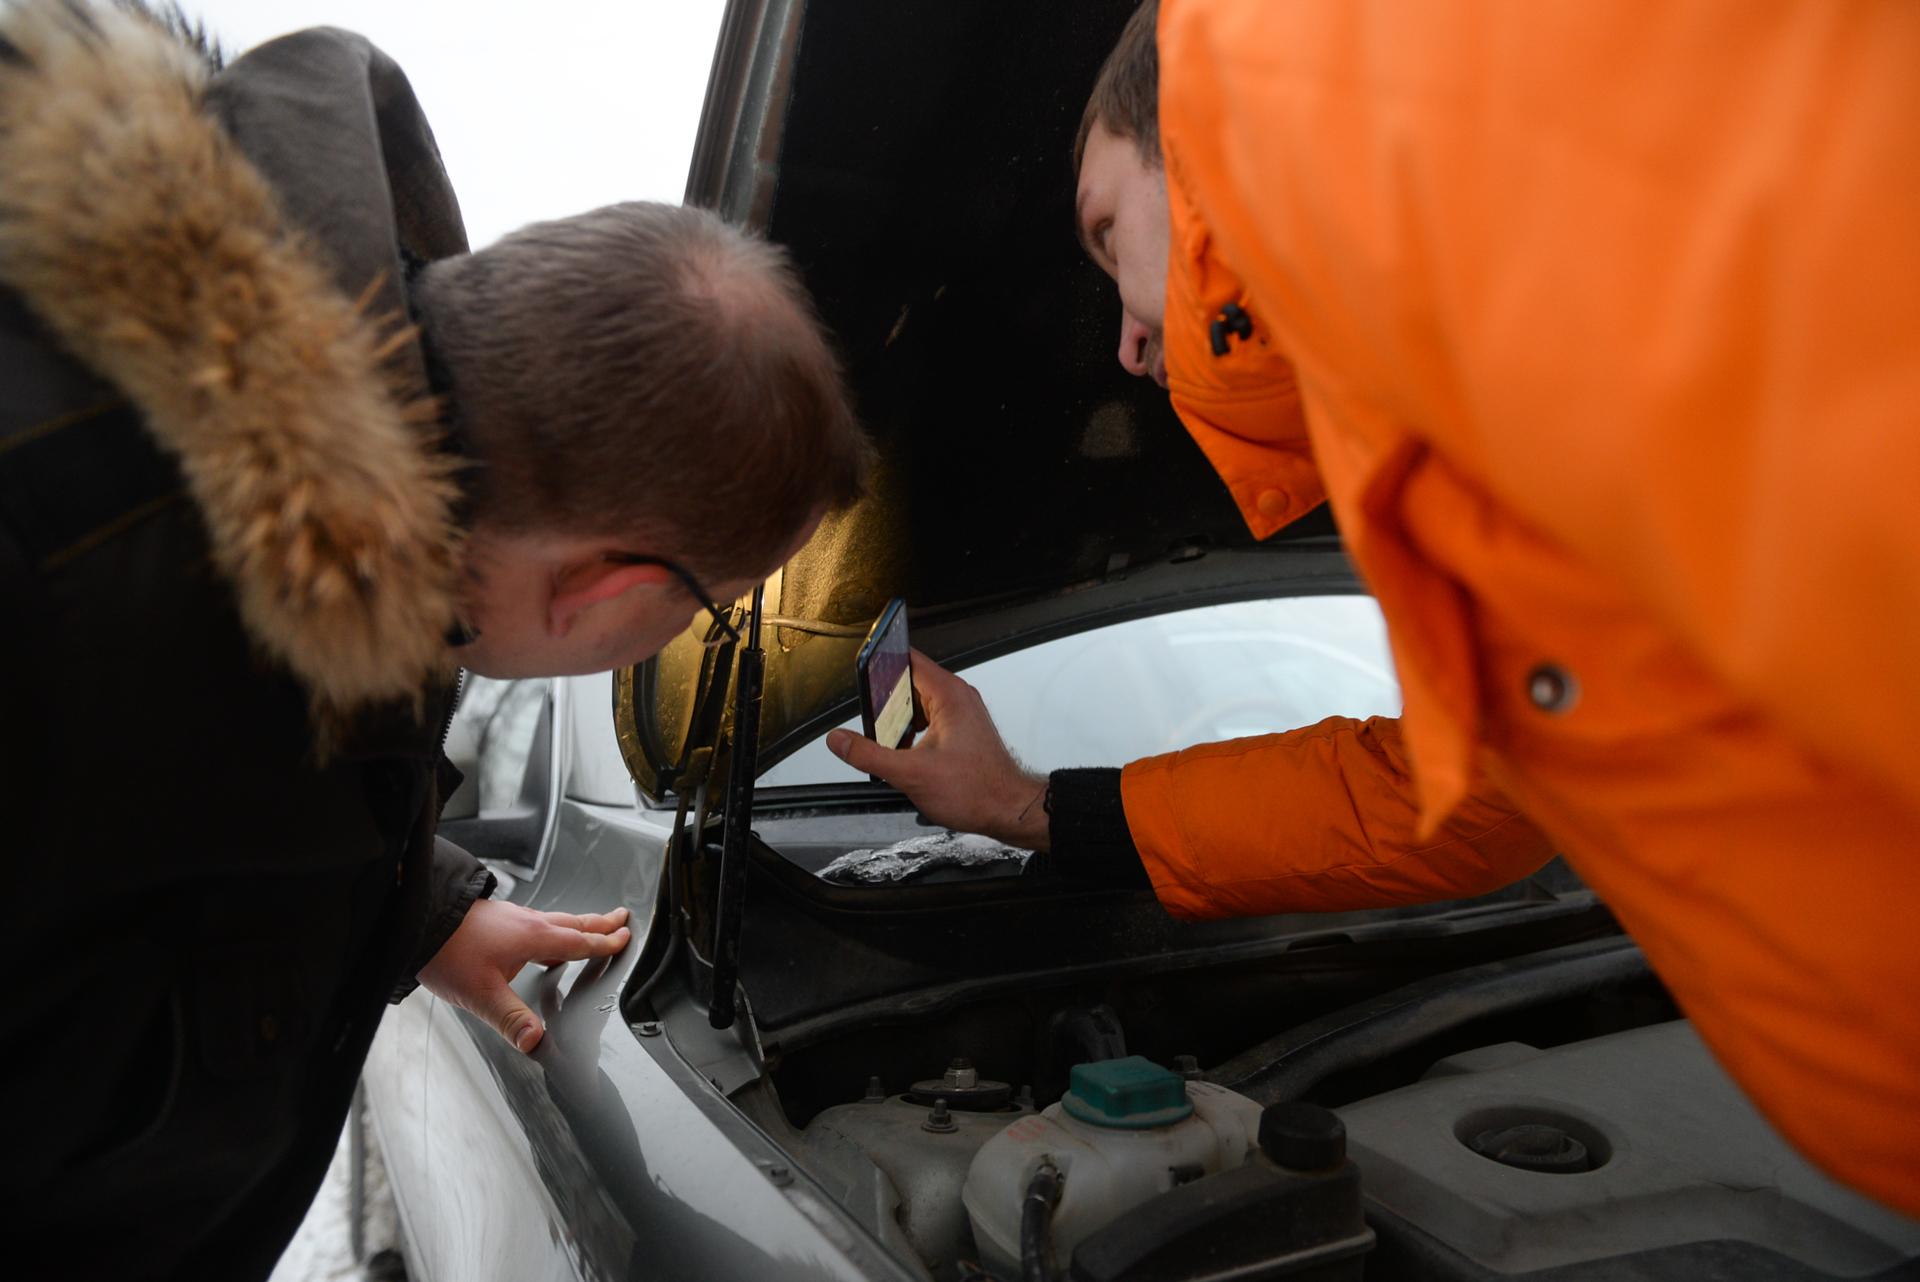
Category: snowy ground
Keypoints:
(322, 1251)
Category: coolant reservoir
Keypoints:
(1127, 1130)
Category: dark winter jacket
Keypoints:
(227, 560)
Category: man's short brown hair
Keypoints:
(645, 372)
(1126, 96)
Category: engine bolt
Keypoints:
(1188, 1066)
(875, 1091)
(650, 1028)
(940, 1121)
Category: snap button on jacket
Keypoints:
(1599, 326)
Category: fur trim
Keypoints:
(173, 20)
(146, 242)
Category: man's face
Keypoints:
(559, 607)
(1121, 209)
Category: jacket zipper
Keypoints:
(446, 726)
(1233, 320)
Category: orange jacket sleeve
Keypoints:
(1319, 819)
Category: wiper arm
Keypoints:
(735, 833)
(688, 780)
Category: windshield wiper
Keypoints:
(735, 832)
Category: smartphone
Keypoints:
(885, 670)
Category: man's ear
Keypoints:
(588, 583)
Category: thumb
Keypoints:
(862, 753)
(511, 1017)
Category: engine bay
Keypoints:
(1577, 1130)
(999, 1075)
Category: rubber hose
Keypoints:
(1036, 1225)
(1288, 1066)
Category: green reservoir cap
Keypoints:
(1131, 1094)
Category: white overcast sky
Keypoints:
(541, 110)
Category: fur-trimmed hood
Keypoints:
(153, 249)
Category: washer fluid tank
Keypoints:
(1126, 1131)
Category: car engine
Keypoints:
(1627, 1155)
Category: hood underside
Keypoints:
(916, 158)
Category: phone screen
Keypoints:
(886, 679)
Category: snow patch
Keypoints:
(322, 1251)
(917, 856)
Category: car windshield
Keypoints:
(1107, 696)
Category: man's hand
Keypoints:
(958, 773)
(473, 968)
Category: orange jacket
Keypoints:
(1599, 326)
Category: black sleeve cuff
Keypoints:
(459, 881)
(1087, 830)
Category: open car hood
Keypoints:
(916, 159)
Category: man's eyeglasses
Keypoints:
(680, 572)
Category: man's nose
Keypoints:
(1134, 340)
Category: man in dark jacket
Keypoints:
(276, 455)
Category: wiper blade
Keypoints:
(688, 780)
(736, 832)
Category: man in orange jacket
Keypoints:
(1599, 326)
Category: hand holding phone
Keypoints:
(960, 775)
